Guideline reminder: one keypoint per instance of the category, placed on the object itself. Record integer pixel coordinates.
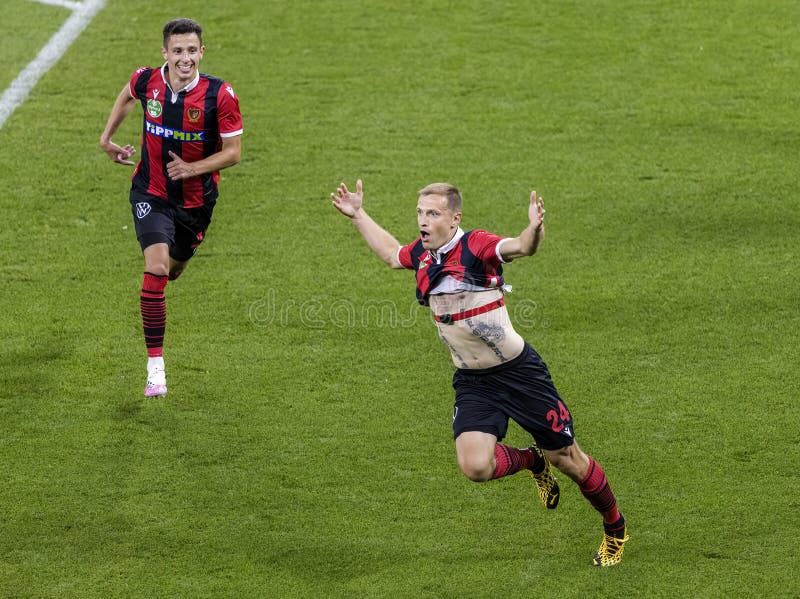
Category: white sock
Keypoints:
(155, 363)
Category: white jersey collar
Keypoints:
(186, 89)
(440, 253)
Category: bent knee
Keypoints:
(564, 455)
(154, 268)
(570, 460)
(478, 471)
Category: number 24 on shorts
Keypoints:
(558, 420)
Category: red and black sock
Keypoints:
(154, 312)
(596, 489)
(511, 460)
(615, 529)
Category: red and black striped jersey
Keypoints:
(473, 259)
(190, 123)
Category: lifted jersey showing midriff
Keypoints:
(480, 341)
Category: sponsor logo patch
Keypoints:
(175, 134)
(142, 210)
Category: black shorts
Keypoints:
(159, 221)
(521, 390)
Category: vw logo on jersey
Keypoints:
(142, 210)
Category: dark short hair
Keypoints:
(181, 26)
(446, 190)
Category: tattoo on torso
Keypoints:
(490, 334)
(453, 350)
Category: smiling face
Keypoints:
(437, 222)
(182, 53)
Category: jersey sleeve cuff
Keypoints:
(497, 250)
(232, 133)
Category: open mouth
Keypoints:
(424, 235)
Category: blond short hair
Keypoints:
(446, 190)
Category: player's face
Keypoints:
(183, 54)
(437, 223)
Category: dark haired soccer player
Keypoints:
(192, 128)
(499, 376)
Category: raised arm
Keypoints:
(122, 108)
(529, 240)
(381, 241)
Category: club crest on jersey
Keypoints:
(154, 108)
(142, 210)
(194, 114)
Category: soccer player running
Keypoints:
(499, 376)
(192, 128)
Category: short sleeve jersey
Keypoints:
(474, 259)
(191, 123)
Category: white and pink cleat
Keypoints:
(156, 383)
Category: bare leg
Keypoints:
(570, 460)
(475, 452)
(176, 267)
(156, 259)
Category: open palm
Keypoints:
(536, 211)
(348, 202)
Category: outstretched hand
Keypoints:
(347, 202)
(119, 154)
(536, 211)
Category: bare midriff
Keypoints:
(480, 341)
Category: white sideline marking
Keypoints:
(16, 93)
(62, 3)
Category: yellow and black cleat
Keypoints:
(546, 484)
(611, 549)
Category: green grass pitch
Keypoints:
(304, 449)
